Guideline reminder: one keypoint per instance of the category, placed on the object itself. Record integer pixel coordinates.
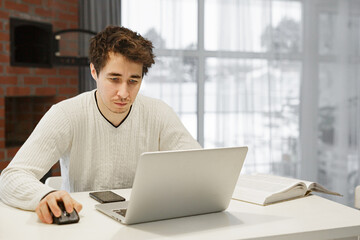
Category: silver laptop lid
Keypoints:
(182, 183)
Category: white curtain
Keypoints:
(252, 84)
(280, 76)
(231, 69)
(172, 27)
(337, 145)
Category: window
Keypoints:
(338, 96)
(231, 70)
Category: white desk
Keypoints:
(307, 218)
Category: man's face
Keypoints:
(118, 84)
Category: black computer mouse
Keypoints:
(65, 217)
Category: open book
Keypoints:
(265, 189)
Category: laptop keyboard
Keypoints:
(122, 212)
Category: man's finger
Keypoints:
(77, 206)
(52, 203)
(45, 212)
(40, 216)
(68, 202)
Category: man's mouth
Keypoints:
(121, 104)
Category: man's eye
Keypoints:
(113, 79)
(133, 81)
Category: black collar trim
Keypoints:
(97, 105)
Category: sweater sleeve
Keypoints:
(173, 134)
(19, 182)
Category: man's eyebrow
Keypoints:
(120, 75)
(135, 76)
(114, 74)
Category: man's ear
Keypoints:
(93, 71)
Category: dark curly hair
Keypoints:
(120, 40)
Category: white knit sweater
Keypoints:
(94, 155)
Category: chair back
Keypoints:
(54, 182)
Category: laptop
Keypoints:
(173, 184)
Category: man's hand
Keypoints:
(50, 202)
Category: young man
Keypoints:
(98, 135)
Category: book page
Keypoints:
(263, 189)
(316, 187)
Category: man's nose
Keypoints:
(122, 91)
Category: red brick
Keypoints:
(7, 26)
(2, 112)
(73, 9)
(4, 36)
(33, 80)
(68, 17)
(55, 170)
(58, 5)
(1, 91)
(57, 173)
(44, 13)
(56, 165)
(2, 157)
(71, 2)
(17, 70)
(73, 81)
(67, 72)
(2, 143)
(4, 58)
(74, 25)
(2, 132)
(12, 151)
(18, 91)
(46, 71)
(56, 81)
(1, 26)
(59, 25)
(16, 6)
(45, 91)
(68, 91)
(36, 2)
(2, 103)
(4, 164)
(8, 80)
(1, 69)
(4, 14)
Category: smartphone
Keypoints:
(106, 196)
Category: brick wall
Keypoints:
(16, 83)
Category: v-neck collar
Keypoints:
(97, 105)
